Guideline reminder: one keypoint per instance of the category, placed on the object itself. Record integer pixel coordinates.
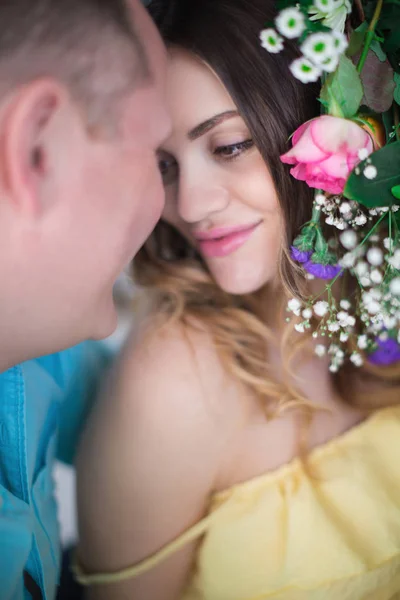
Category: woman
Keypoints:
(202, 467)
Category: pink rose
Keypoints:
(325, 151)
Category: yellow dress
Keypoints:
(287, 535)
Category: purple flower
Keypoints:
(322, 271)
(387, 353)
(300, 256)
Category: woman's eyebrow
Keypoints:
(209, 124)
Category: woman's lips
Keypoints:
(224, 241)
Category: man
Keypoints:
(81, 115)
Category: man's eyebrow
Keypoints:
(206, 126)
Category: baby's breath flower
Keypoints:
(318, 47)
(356, 359)
(345, 304)
(321, 308)
(394, 260)
(363, 153)
(360, 219)
(361, 268)
(388, 243)
(345, 208)
(375, 256)
(294, 305)
(271, 40)
(344, 336)
(376, 276)
(333, 326)
(395, 286)
(290, 22)
(299, 327)
(348, 260)
(304, 70)
(320, 199)
(370, 172)
(349, 239)
(362, 342)
(320, 350)
(307, 313)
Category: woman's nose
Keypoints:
(200, 201)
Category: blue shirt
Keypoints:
(43, 404)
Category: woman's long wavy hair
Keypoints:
(225, 35)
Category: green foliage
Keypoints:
(343, 90)
(379, 190)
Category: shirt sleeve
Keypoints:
(82, 368)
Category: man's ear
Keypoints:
(27, 121)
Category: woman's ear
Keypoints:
(26, 122)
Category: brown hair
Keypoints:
(225, 34)
(90, 45)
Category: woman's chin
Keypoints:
(239, 283)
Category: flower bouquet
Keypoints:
(350, 155)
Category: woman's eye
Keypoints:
(168, 168)
(231, 151)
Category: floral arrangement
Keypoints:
(350, 155)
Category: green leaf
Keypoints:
(356, 40)
(378, 191)
(378, 84)
(377, 50)
(396, 191)
(396, 94)
(343, 90)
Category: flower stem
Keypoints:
(370, 35)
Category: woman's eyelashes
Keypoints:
(169, 167)
(232, 151)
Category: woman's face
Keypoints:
(219, 192)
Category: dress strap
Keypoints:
(88, 579)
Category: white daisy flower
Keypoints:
(325, 6)
(335, 18)
(318, 47)
(304, 70)
(320, 350)
(321, 308)
(395, 286)
(271, 40)
(330, 64)
(349, 239)
(340, 44)
(370, 172)
(375, 257)
(290, 22)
